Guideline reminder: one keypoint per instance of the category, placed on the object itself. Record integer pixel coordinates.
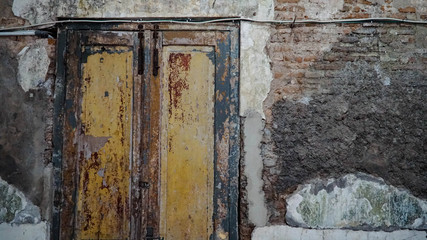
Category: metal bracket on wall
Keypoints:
(141, 60)
(155, 52)
(150, 234)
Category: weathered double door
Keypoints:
(150, 132)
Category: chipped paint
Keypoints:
(177, 79)
(149, 105)
(187, 143)
(103, 199)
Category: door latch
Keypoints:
(144, 185)
(150, 235)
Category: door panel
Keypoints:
(187, 142)
(150, 134)
(104, 146)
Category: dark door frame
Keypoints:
(227, 121)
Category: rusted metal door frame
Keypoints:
(67, 109)
(227, 125)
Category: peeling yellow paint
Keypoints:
(187, 143)
(222, 235)
(103, 197)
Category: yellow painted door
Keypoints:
(187, 142)
(105, 144)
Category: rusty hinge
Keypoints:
(143, 184)
(155, 52)
(141, 58)
(150, 234)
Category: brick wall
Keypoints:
(350, 9)
(345, 98)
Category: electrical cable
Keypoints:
(190, 21)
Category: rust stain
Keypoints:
(178, 78)
(104, 145)
(187, 143)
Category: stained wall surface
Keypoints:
(26, 80)
(328, 111)
(345, 99)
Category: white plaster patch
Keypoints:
(291, 233)
(260, 9)
(354, 201)
(256, 74)
(24, 231)
(33, 64)
(305, 100)
(381, 75)
(322, 9)
(35, 11)
(253, 127)
(265, 10)
(16, 205)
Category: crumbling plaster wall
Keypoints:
(346, 99)
(27, 74)
(26, 78)
(255, 65)
(317, 101)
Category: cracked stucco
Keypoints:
(256, 74)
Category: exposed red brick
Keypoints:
(327, 66)
(278, 74)
(365, 2)
(407, 10)
(310, 58)
(358, 15)
(287, 1)
(398, 15)
(297, 74)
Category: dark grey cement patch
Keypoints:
(24, 119)
(360, 124)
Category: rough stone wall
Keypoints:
(27, 73)
(345, 98)
(38, 11)
(318, 101)
(26, 78)
(350, 9)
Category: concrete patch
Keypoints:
(261, 9)
(253, 126)
(24, 231)
(255, 68)
(291, 233)
(358, 201)
(35, 11)
(33, 66)
(322, 9)
(15, 208)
